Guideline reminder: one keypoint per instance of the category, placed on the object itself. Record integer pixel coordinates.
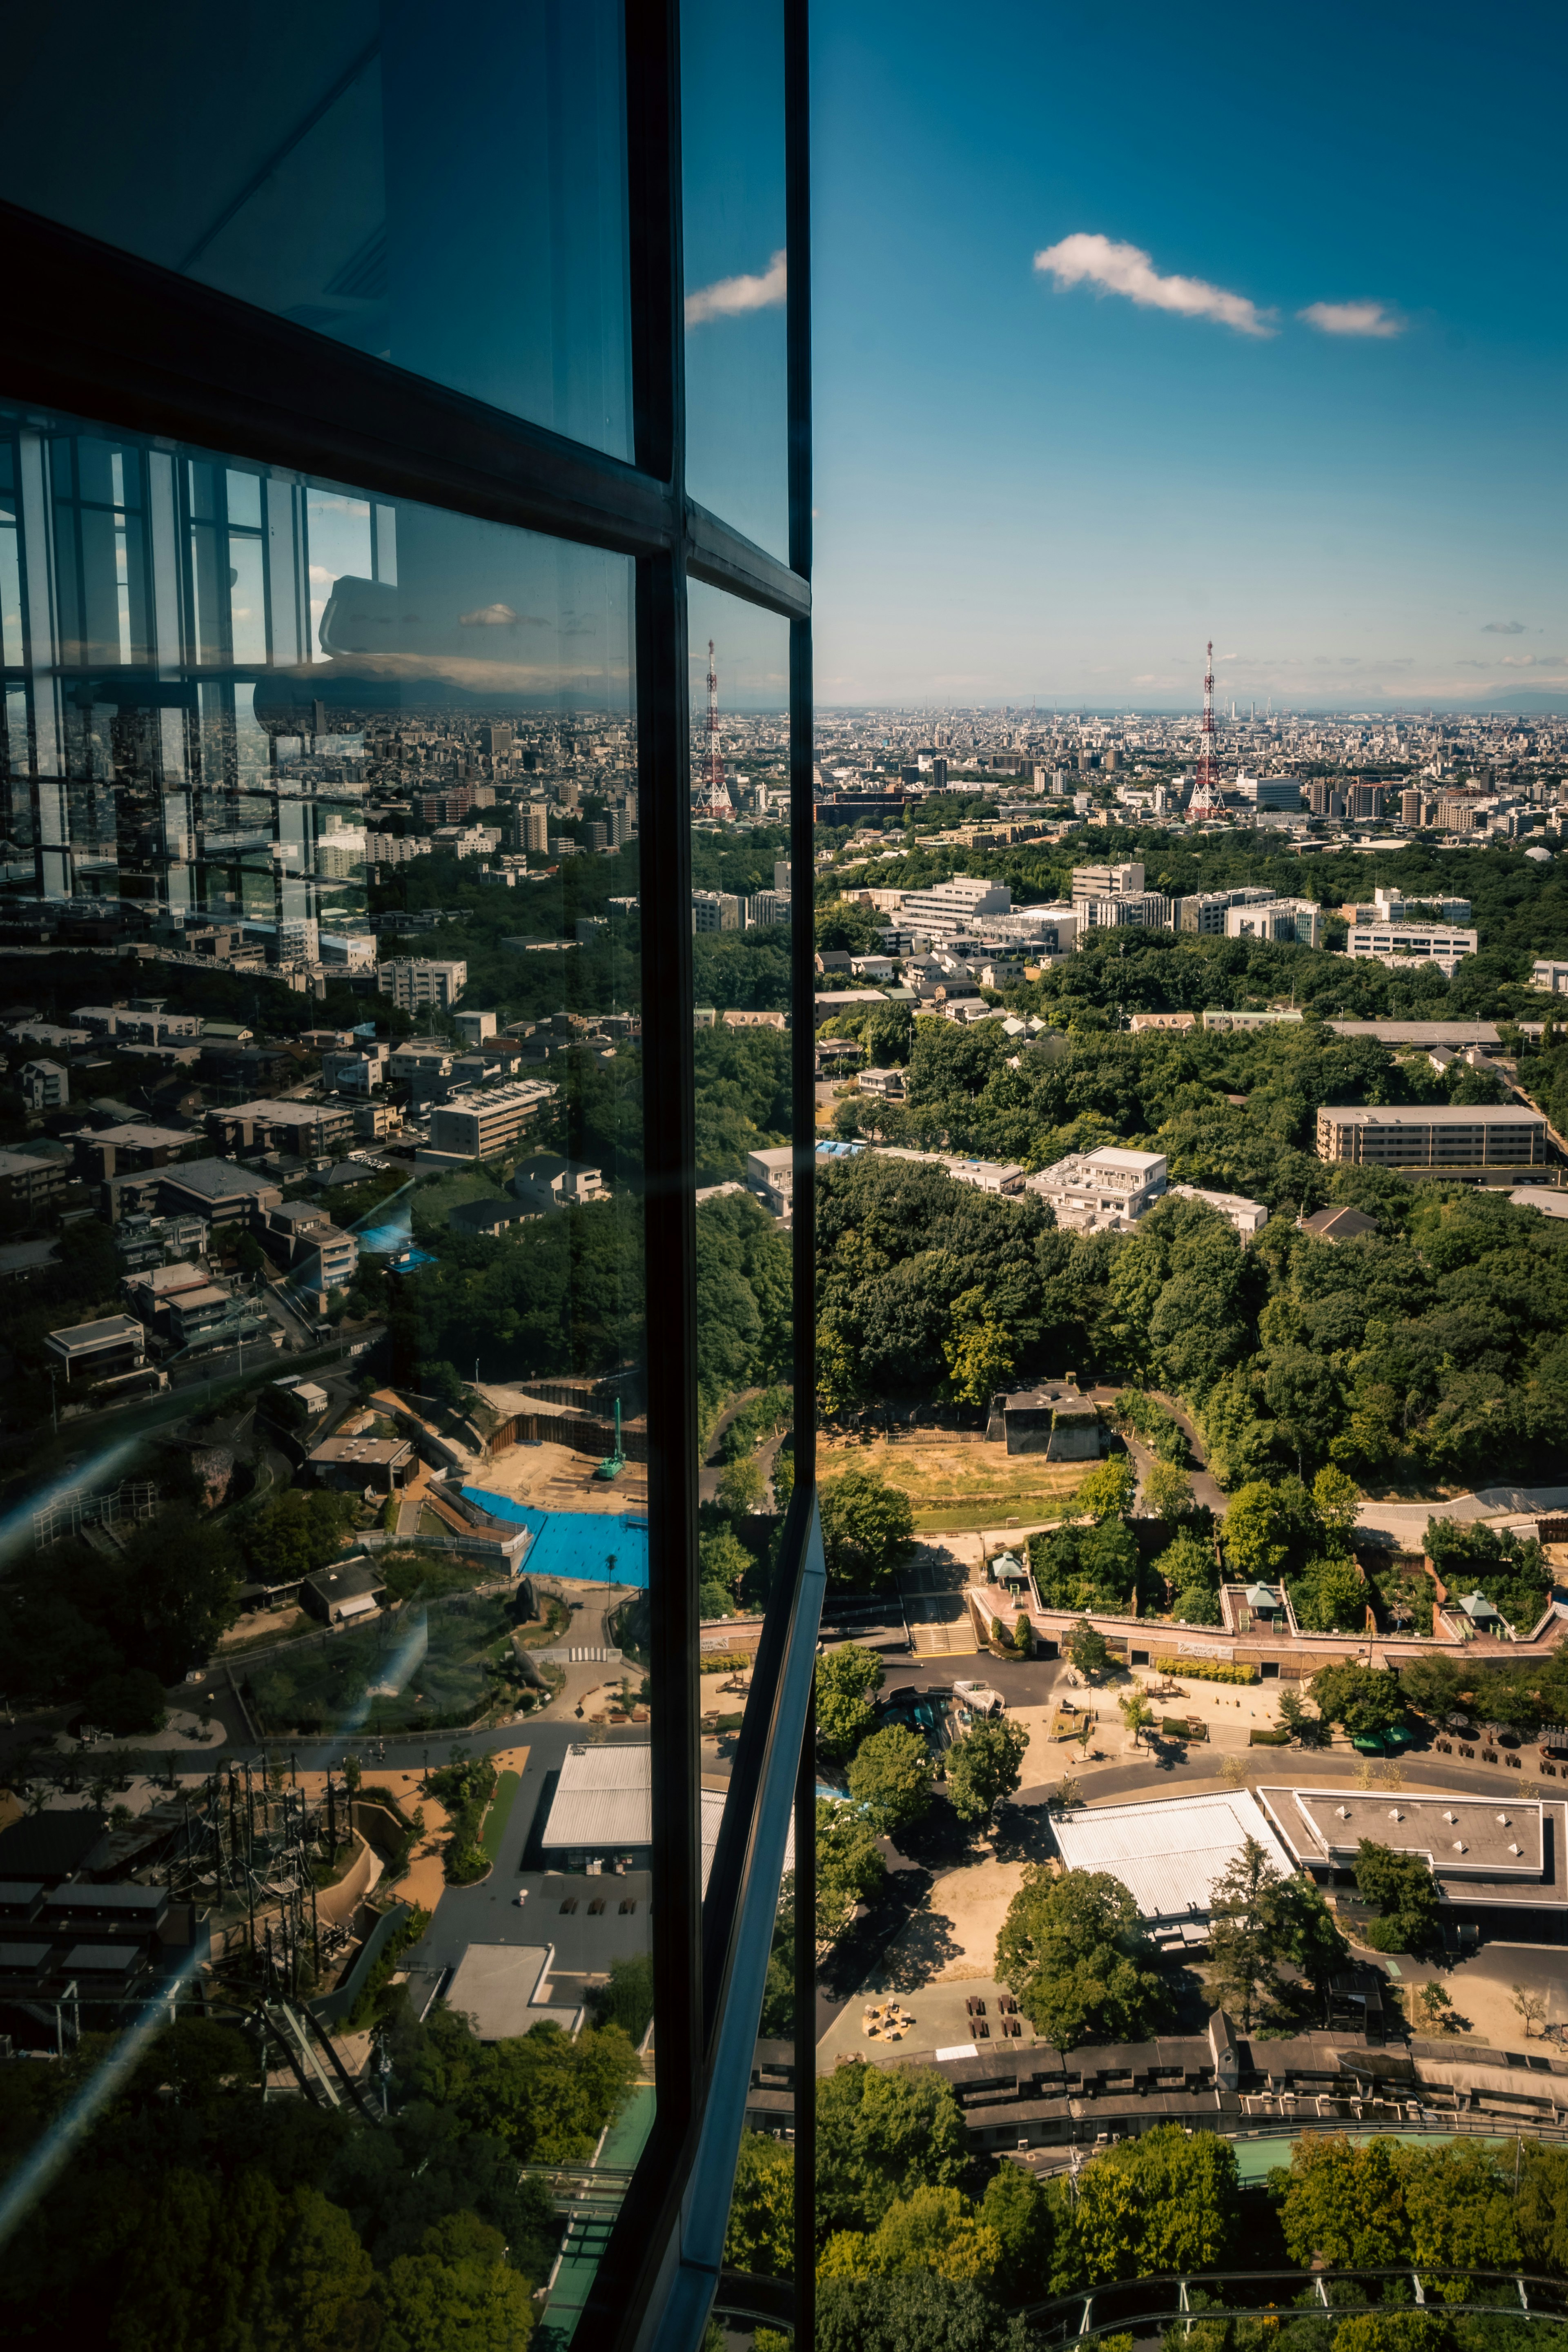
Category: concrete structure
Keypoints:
(717, 910)
(1456, 1036)
(1222, 1017)
(1443, 946)
(772, 1173)
(218, 1190)
(546, 1181)
(949, 908)
(504, 1989)
(1293, 920)
(1147, 910)
(1053, 1420)
(29, 1181)
(355, 1463)
(97, 1152)
(338, 1595)
(99, 1350)
(306, 1129)
(1546, 973)
(1108, 1190)
(478, 1125)
(473, 1028)
(44, 1086)
(1498, 1852)
(602, 1813)
(1171, 1854)
(1461, 1138)
(1107, 881)
(1153, 1023)
(887, 1084)
(415, 984)
(1248, 1217)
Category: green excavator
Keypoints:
(614, 1463)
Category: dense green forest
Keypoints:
(1435, 1348)
(196, 2216)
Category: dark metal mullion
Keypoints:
(640, 2260)
(805, 1957)
(726, 559)
(797, 214)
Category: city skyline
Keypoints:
(1129, 336)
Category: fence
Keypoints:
(69, 1512)
(580, 1433)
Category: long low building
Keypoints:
(1458, 1139)
(602, 1813)
(1485, 1854)
(1170, 1854)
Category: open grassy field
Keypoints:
(954, 1483)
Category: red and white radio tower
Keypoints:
(1206, 792)
(717, 791)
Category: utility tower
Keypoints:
(719, 801)
(1205, 797)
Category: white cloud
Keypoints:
(1352, 319)
(728, 297)
(1502, 629)
(498, 617)
(1093, 261)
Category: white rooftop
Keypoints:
(1170, 1854)
(603, 1805)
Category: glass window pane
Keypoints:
(450, 195)
(742, 955)
(733, 161)
(333, 1125)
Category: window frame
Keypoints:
(106, 336)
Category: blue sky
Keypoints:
(1030, 486)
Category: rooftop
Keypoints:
(218, 1180)
(1170, 1854)
(1467, 1839)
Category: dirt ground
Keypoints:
(957, 1481)
(553, 1478)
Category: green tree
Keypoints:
(1432, 1683)
(882, 2132)
(890, 1780)
(1336, 1499)
(1367, 1700)
(850, 1866)
(845, 1678)
(868, 1528)
(1298, 1719)
(1087, 1650)
(1269, 1524)
(1330, 1596)
(761, 2235)
(1107, 1492)
(742, 1487)
(1542, 2210)
(1344, 2204)
(1159, 2202)
(126, 1703)
(1260, 1920)
(979, 1355)
(723, 1559)
(914, 2312)
(1073, 1953)
(984, 1766)
(1167, 1493)
(1016, 2208)
(931, 2231)
(1136, 1714)
(457, 2293)
(1402, 1885)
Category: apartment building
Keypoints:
(422, 984)
(949, 908)
(476, 1125)
(307, 1129)
(1297, 920)
(1545, 972)
(1221, 1017)
(717, 910)
(1104, 1191)
(1461, 1138)
(1107, 881)
(1147, 910)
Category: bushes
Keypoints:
(1206, 1670)
(465, 1788)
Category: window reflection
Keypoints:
(732, 164)
(451, 197)
(323, 1126)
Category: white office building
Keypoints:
(1300, 921)
(1442, 945)
(949, 908)
(418, 983)
(1102, 1192)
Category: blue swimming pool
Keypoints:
(585, 1547)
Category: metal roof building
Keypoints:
(1168, 1854)
(602, 1809)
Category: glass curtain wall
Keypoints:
(408, 1563)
